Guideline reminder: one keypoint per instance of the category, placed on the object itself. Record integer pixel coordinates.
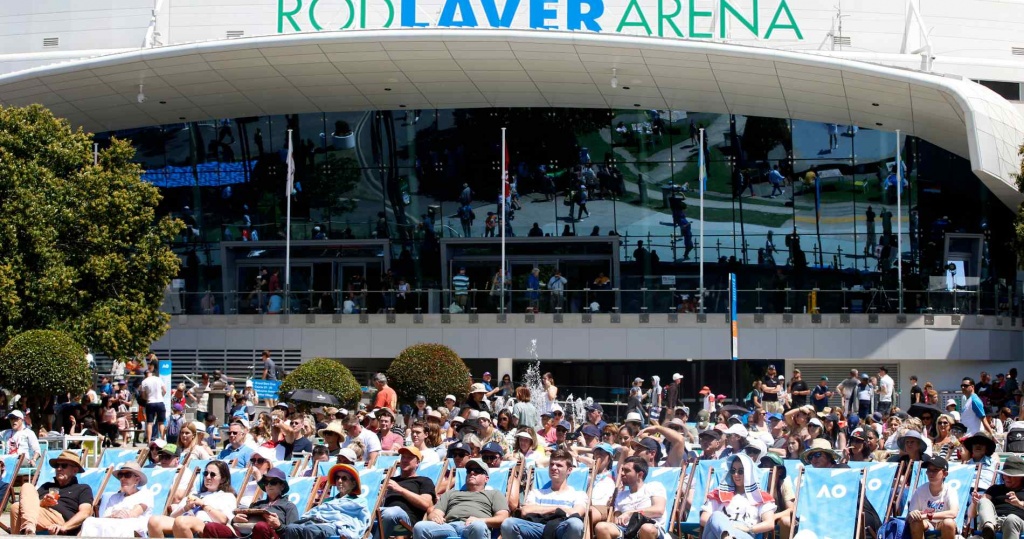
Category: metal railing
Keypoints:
(591, 300)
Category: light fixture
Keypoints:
(615, 78)
(142, 96)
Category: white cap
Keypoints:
(450, 397)
(248, 383)
(484, 415)
(349, 454)
(17, 414)
(634, 416)
(815, 421)
(950, 402)
(737, 428)
(555, 407)
(676, 376)
(781, 377)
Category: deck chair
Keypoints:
(672, 479)
(99, 480)
(961, 479)
(839, 489)
(384, 462)
(300, 492)
(243, 476)
(12, 464)
(579, 478)
(433, 471)
(496, 480)
(31, 467)
(44, 473)
(164, 482)
(706, 477)
(116, 457)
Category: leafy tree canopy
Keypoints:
(431, 370)
(41, 363)
(327, 375)
(81, 248)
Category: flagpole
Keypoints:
(899, 219)
(504, 203)
(288, 225)
(701, 180)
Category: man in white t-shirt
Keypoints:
(636, 496)
(354, 430)
(153, 390)
(886, 389)
(934, 506)
(973, 415)
(548, 500)
(19, 439)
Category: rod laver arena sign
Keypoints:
(664, 18)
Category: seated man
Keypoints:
(408, 496)
(468, 513)
(58, 507)
(558, 500)
(636, 496)
(237, 450)
(934, 505)
(1002, 506)
(346, 515)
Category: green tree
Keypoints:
(327, 375)
(431, 370)
(41, 363)
(81, 248)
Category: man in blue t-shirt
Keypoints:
(237, 449)
(821, 395)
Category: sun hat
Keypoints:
(819, 444)
(333, 427)
(274, 473)
(634, 417)
(980, 437)
(477, 388)
(1013, 467)
(345, 468)
(909, 434)
(133, 467)
(69, 457)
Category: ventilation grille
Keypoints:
(842, 41)
(235, 33)
(1017, 51)
(51, 41)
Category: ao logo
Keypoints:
(874, 484)
(837, 491)
(157, 488)
(294, 497)
(954, 484)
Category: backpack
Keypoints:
(1015, 440)
(174, 428)
(894, 528)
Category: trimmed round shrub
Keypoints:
(431, 370)
(327, 375)
(40, 363)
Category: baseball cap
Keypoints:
(815, 421)
(705, 390)
(484, 415)
(647, 443)
(638, 379)
(348, 453)
(935, 462)
(595, 407)
(676, 376)
(478, 463)
(591, 430)
(781, 377)
(177, 407)
(458, 446)
(16, 413)
(493, 447)
(564, 425)
(950, 402)
(720, 397)
(606, 447)
(737, 429)
(824, 378)
(450, 397)
(411, 450)
(771, 367)
(421, 398)
(684, 409)
(487, 373)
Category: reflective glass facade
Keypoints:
(788, 203)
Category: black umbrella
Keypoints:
(311, 396)
(734, 409)
(919, 409)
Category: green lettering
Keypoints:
(694, 34)
(726, 7)
(640, 12)
(312, 15)
(663, 18)
(351, 15)
(783, 7)
(391, 13)
(290, 15)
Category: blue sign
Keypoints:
(734, 327)
(266, 389)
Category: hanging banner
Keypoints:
(734, 328)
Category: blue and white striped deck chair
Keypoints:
(690, 522)
(385, 461)
(879, 482)
(838, 489)
(578, 478)
(238, 476)
(161, 482)
(286, 466)
(960, 479)
(492, 481)
(300, 492)
(432, 471)
(99, 480)
(670, 478)
(116, 457)
(323, 467)
(45, 473)
(199, 463)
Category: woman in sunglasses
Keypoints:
(346, 515)
(123, 513)
(944, 444)
(214, 502)
(738, 507)
(263, 518)
(261, 462)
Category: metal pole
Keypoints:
(288, 224)
(501, 199)
(701, 173)
(899, 219)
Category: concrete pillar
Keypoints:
(504, 367)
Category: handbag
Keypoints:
(636, 521)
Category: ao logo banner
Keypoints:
(878, 482)
(836, 489)
(691, 19)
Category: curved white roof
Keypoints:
(458, 68)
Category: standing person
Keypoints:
(865, 395)
(776, 179)
(770, 249)
(582, 201)
(543, 503)
(848, 390)
(770, 388)
(19, 439)
(674, 392)
(636, 496)
(524, 412)
(934, 505)
(57, 507)
(821, 395)
(550, 393)
(460, 286)
(798, 390)
(973, 415)
(916, 395)
(269, 373)
(886, 390)
(153, 390)
(386, 396)
(556, 284)
(533, 285)
(469, 513)
(408, 496)
(869, 244)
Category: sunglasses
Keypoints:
(943, 423)
(735, 471)
(124, 475)
(815, 455)
(460, 455)
(165, 456)
(258, 460)
(475, 471)
(488, 458)
(234, 433)
(966, 385)
(211, 474)
(344, 477)
(61, 466)
(275, 483)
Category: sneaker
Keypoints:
(988, 531)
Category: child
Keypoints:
(212, 432)
(124, 426)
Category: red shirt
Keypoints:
(385, 398)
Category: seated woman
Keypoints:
(264, 517)
(123, 513)
(346, 515)
(214, 502)
(191, 442)
(738, 507)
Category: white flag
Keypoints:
(291, 168)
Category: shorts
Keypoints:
(156, 412)
(774, 407)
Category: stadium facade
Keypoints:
(395, 105)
